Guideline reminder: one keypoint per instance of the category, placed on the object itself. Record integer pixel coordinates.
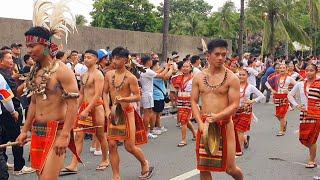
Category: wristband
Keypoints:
(12, 112)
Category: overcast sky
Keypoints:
(22, 9)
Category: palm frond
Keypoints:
(297, 33)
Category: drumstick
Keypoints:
(75, 130)
(83, 129)
(10, 144)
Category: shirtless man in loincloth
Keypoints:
(91, 110)
(123, 88)
(54, 93)
(219, 89)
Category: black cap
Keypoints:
(16, 45)
(174, 53)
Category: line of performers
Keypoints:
(284, 87)
(309, 93)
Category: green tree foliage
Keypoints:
(188, 17)
(225, 19)
(225, 23)
(190, 25)
(183, 7)
(267, 23)
(81, 20)
(134, 15)
(276, 28)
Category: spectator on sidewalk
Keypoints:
(146, 80)
(159, 91)
(11, 127)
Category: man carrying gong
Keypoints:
(124, 123)
(219, 89)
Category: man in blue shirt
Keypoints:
(269, 61)
(264, 78)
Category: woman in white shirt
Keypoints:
(243, 117)
(184, 103)
(294, 74)
(280, 97)
(307, 134)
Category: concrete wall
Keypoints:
(12, 30)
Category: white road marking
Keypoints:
(189, 174)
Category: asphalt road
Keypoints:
(268, 157)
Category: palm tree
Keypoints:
(311, 7)
(253, 24)
(240, 42)
(193, 25)
(316, 4)
(166, 21)
(274, 28)
(225, 19)
(289, 6)
(81, 20)
(176, 26)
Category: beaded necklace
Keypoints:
(121, 84)
(213, 87)
(31, 87)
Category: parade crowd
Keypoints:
(117, 98)
(159, 84)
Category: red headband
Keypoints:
(38, 40)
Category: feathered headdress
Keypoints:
(134, 67)
(49, 19)
(204, 47)
(56, 18)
